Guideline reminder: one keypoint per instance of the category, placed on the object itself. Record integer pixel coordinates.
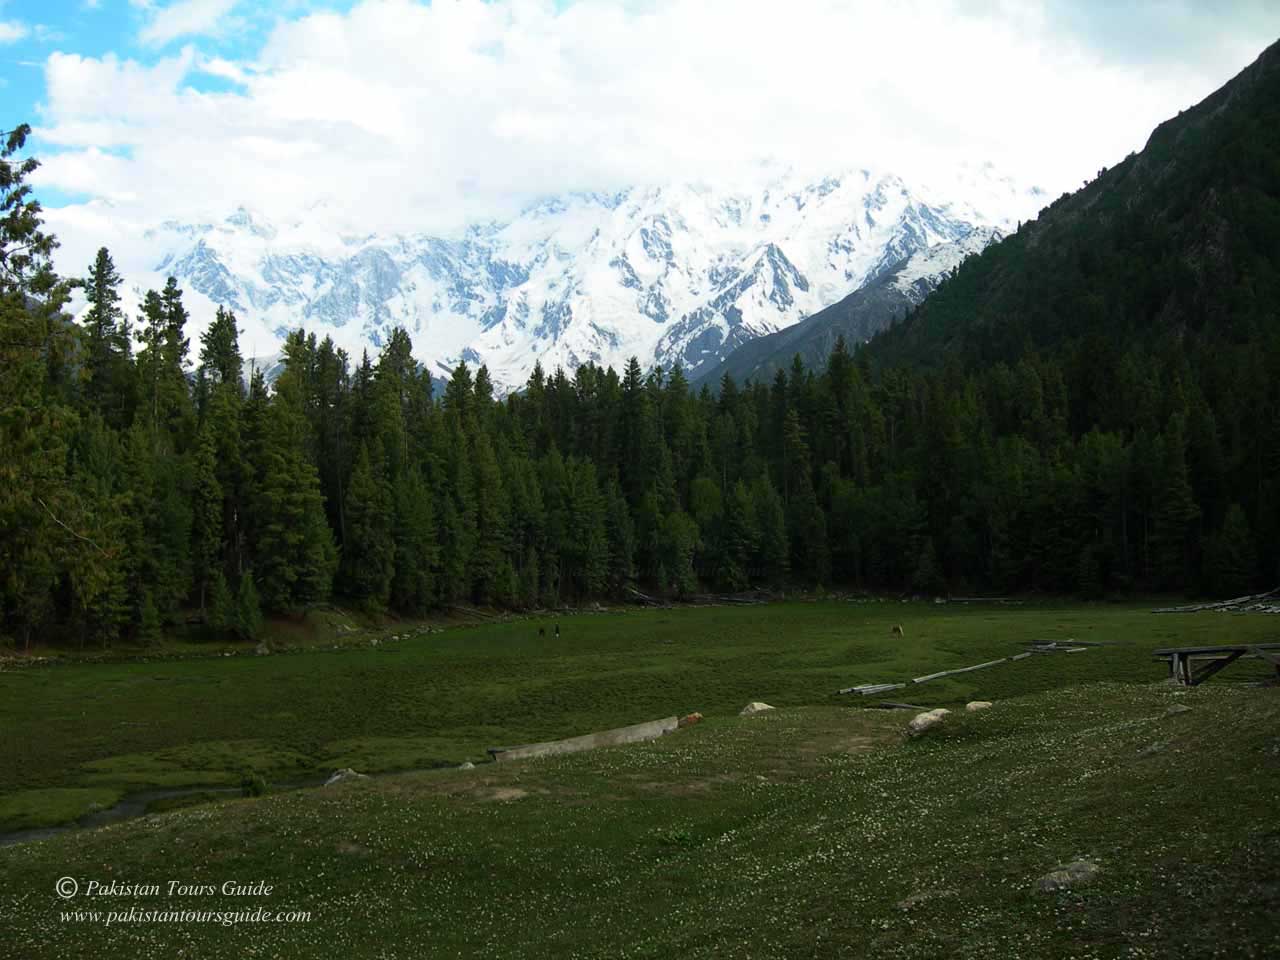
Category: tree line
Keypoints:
(147, 482)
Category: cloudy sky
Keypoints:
(400, 114)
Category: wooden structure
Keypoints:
(1191, 666)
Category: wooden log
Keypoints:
(644, 597)
(1222, 604)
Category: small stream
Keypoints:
(130, 807)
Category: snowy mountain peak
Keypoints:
(672, 273)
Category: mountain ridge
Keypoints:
(672, 274)
(873, 307)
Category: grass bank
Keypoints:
(812, 831)
(439, 699)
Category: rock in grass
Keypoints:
(754, 707)
(466, 765)
(926, 721)
(973, 706)
(262, 649)
(343, 775)
(1176, 709)
(1069, 875)
(689, 719)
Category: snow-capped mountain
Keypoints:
(874, 306)
(678, 273)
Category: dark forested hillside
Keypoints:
(1179, 243)
(1088, 407)
(868, 310)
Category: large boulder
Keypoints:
(751, 709)
(922, 722)
(973, 706)
(343, 775)
(1068, 875)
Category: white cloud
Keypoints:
(404, 115)
(11, 31)
(184, 18)
(218, 67)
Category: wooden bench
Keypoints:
(1184, 669)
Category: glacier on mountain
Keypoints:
(680, 273)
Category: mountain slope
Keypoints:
(1182, 239)
(871, 308)
(674, 274)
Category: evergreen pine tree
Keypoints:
(206, 518)
(220, 613)
(149, 622)
(35, 420)
(413, 581)
(248, 611)
(620, 535)
(772, 556)
(1230, 558)
(928, 578)
(220, 361)
(368, 556)
(294, 553)
(1173, 510)
(107, 354)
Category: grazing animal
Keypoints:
(897, 631)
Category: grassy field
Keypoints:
(790, 834)
(83, 733)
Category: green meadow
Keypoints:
(795, 833)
